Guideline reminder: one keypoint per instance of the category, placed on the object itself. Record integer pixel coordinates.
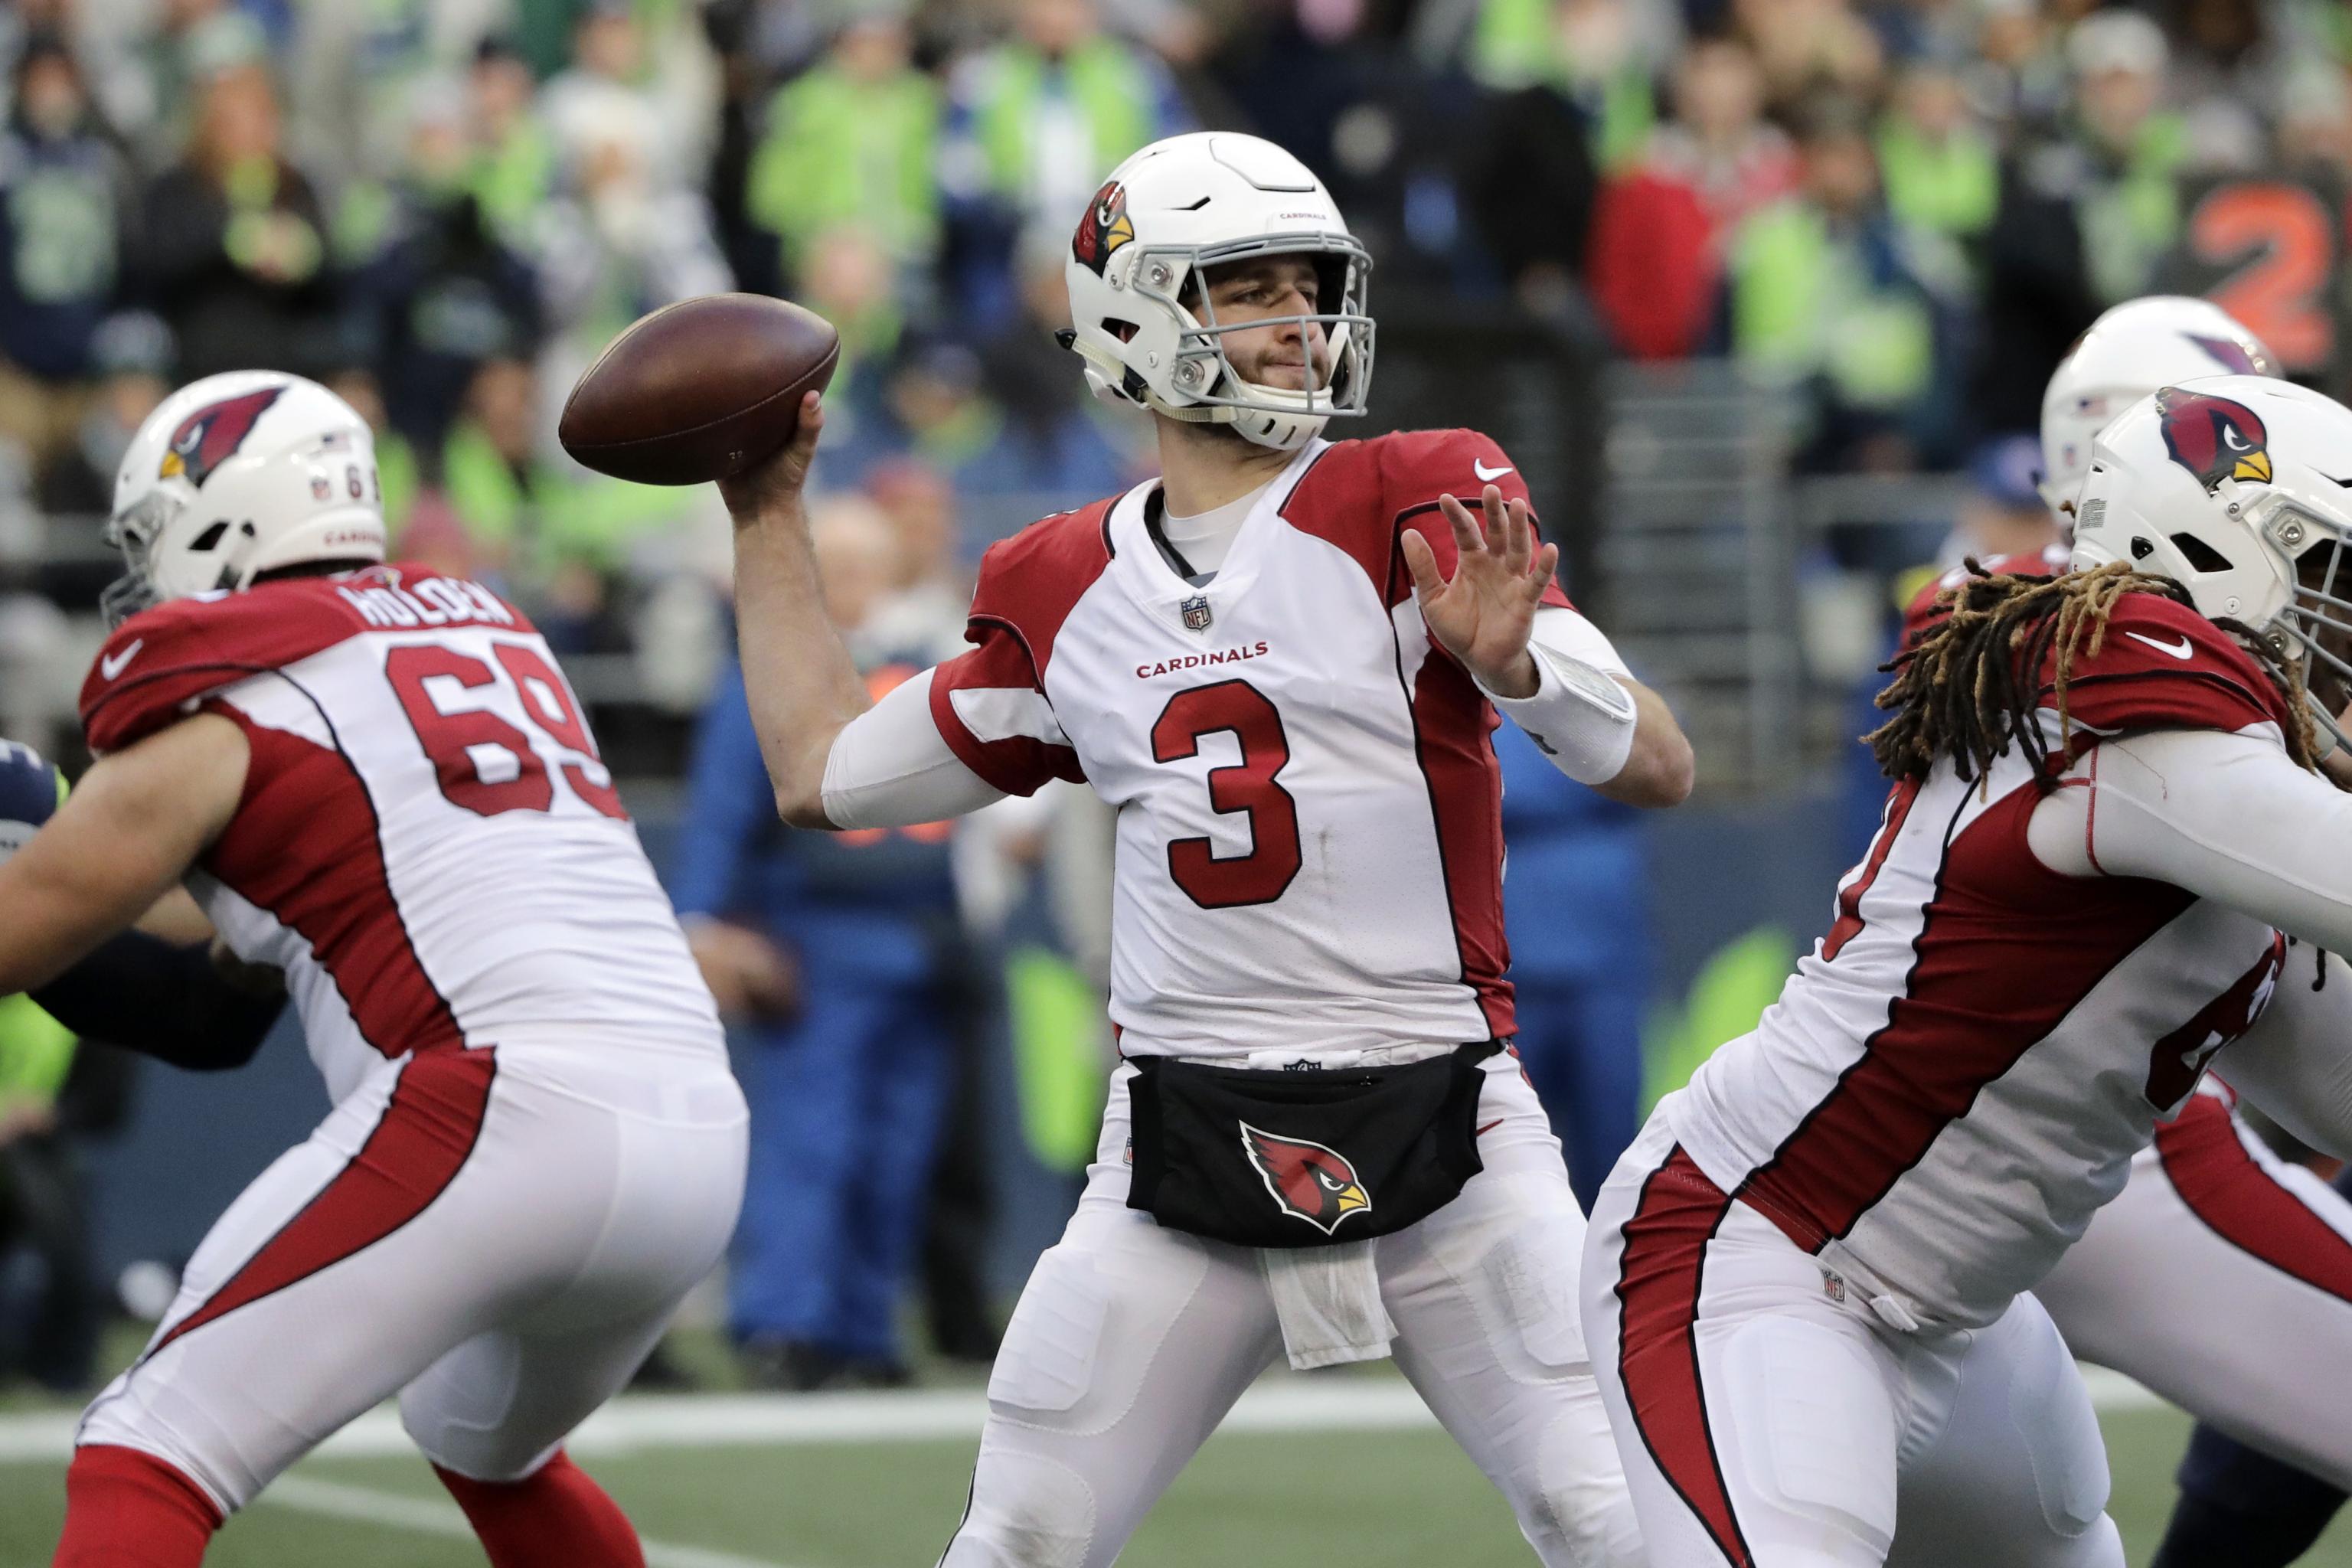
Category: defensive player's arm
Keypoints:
(802, 686)
(166, 1000)
(130, 830)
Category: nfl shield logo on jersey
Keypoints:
(1196, 614)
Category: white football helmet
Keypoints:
(1144, 325)
(2129, 352)
(2227, 485)
(236, 475)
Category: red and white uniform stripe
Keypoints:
(429, 844)
(1959, 1075)
(535, 1148)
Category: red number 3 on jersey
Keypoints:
(482, 762)
(1261, 875)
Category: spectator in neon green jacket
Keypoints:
(1941, 169)
(854, 139)
(562, 537)
(1601, 55)
(1833, 295)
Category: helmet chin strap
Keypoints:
(1291, 430)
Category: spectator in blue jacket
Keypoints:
(63, 197)
(839, 959)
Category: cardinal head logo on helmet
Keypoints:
(1104, 229)
(211, 436)
(1308, 1181)
(2213, 437)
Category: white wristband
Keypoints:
(1582, 718)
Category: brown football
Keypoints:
(698, 390)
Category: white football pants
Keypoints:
(1131, 1342)
(2221, 1277)
(1768, 1419)
(498, 1239)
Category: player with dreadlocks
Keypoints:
(1807, 1287)
(2217, 1252)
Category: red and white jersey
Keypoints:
(1309, 840)
(2051, 560)
(1960, 1072)
(427, 842)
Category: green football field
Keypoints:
(839, 1482)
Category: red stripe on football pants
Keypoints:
(428, 1129)
(1660, 1272)
(2227, 1188)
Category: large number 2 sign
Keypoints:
(483, 763)
(2274, 244)
(1242, 710)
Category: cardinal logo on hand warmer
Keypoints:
(1308, 1181)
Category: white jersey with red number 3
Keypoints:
(1960, 1074)
(427, 842)
(1309, 839)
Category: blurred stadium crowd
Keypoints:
(445, 207)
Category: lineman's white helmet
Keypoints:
(1140, 316)
(2129, 352)
(236, 475)
(2226, 485)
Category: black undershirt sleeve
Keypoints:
(163, 1001)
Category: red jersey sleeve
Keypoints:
(162, 662)
(992, 711)
(2162, 666)
(1420, 466)
(990, 704)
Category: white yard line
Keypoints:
(766, 1420)
(425, 1517)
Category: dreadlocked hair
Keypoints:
(1970, 684)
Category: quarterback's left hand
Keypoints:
(1483, 615)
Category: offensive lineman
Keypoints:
(1280, 666)
(1806, 1287)
(2217, 1252)
(377, 781)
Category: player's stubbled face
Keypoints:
(1289, 357)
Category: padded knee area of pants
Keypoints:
(1533, 1270)
(1804, 1442)
(2052, 1413)
(1047, 1361)
(1579, 1513)
(1027, 1511)
(1050, 1371)
(1518, 1255)
(455, 1412)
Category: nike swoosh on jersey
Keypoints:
(111, 664)
(2184, 652)
(1487, 475)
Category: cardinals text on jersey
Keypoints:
(1310, 846)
